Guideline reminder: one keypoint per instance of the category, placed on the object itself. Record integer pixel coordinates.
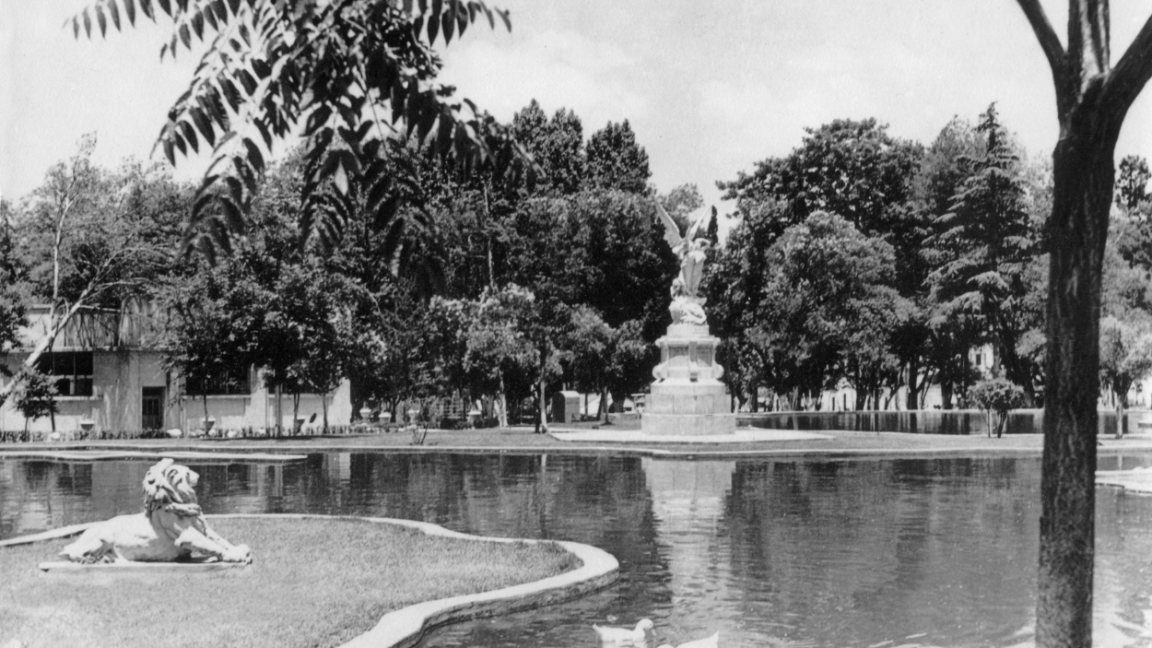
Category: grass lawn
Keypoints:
(312, 583)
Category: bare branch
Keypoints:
(1130, 74)
(1053, 50)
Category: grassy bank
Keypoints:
(313, 582)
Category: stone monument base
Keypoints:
(687, 398)
(688, 424)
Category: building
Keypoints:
(110, 377)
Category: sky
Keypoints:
(709, 88)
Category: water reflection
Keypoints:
(773, 553)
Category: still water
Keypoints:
(869, 554)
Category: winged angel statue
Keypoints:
(687, 304)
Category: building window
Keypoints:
(233, 382)
(72, 372)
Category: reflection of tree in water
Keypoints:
(1122, 601)
(854, 550)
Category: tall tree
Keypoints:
(985, 245)
(14, 295)
(556, 145)
(857, 170)
(616, 161)
(94, 238)
(1131, 186)
(1092, 99)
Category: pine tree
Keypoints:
(990, 243)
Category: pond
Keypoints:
(909, 552)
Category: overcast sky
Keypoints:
(708, 87)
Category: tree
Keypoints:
(713, 233)
(1132, 183)
(1125, 357)
(947, 335)
(305, 333)
(13, 288)
(556, 146)
(616, 161)
(348, 71)
(997, 397)
(526, 335)
(985, 244)
(1092, 99)
(856, 170)
(35, 397)
(93, 239)
(212, 322)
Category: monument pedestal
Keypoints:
(687, 397)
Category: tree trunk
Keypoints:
(279, 408)
(1078, 227)
(946, 395)
(912, 401)
(542, 420)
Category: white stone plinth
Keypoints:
(687, 398)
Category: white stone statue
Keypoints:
(691, 250)
(171, 527)
(687, 304)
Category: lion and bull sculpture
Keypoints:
(171, 527)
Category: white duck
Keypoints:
(707, 642)
(637, 635)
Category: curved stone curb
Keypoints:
(405, 627)
(117, 455)
(741, 435)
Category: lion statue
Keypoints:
(171, 527)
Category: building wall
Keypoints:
(116, 404)
(258, 409)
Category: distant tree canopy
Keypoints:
(963, 220)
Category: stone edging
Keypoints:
(405, 627)
(66, 454)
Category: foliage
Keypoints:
(556, 146)
(14, 296)
(35, 396)
(1132, 183)
(347, 71)
(616, 161)
(91, 238)
(824, 309)
(856, 170)
(987, 245)
(997, 396)
(212, 328)
(851, 168)
(1125, 355)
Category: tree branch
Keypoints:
(1130, 74)
(1053, 50)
